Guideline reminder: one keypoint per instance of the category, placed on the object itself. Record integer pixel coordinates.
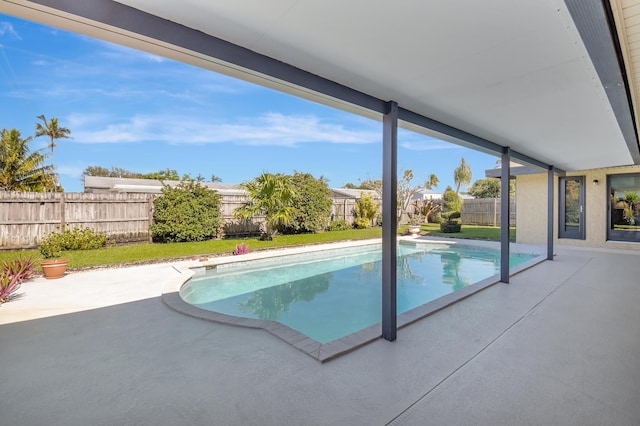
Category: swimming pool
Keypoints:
(329, 295)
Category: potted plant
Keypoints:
(53, 267)
(414, 224)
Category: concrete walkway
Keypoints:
(560, 345)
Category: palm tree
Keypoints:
(462, 175)
(272, 196)
(51, 129)
(20, 169)
(433, 181)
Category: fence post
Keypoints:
(495, 212)
(62, 213)
(150, 213)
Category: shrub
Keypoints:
(272, 196)
(452, 223)
(51, 245)
(436, 218)
(339, 225)
(361, 223)
(452, 201)
(12, 275)
(450, 227)
(81, 238)
(187, 212)
(365, 210)
(311, 205)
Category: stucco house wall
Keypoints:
(531, 196)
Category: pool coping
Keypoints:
(324, 352)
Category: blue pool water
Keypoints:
(328, 296)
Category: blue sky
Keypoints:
(145, 113)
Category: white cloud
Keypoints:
(270, 129)
(7, 29)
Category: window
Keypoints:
(624, 207)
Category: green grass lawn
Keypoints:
(146, 252)
(471, 232)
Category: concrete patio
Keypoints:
(559, 345)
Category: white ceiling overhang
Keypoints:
(541, 77)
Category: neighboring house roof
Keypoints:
(150, 186)
(426, 193)
(153, 186)
(353, 193)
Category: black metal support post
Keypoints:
(504, 215)
(389, 220)
(550, 208)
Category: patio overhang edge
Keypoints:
(596, 25)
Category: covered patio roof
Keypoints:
(546, 79)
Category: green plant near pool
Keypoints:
(452, 223)
(81, 238)
(12, 274)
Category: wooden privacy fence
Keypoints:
(27, 217)
(485, 211)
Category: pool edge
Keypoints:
(324, 352)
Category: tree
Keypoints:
(369, 184)
(407, 190)
(312, 205)
(490, 188)
(485, 188)
(366, 210)
(272, 196)
(166, 174)
(20, 169)
(53, 130)
(425, 208)
(432, 182)
(462, 175)
(187, 212)
(114, 172)
(215, 178)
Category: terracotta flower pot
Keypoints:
(54, 268)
